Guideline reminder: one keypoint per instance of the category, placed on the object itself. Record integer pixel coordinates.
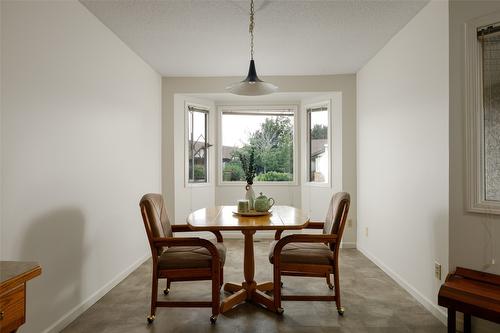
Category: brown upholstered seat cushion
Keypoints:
(179, 257)
(304, 253)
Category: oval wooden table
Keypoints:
(222, 218)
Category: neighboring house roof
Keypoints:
(318, 147)
(227, 152)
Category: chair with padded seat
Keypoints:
(312, 255)
(179, 258)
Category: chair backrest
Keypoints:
(155, 217)
(337, 216)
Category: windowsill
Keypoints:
(313, 184)
(198, 184)
(239, 184)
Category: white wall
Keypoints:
(471, 244)
(174, 86)
(402, 159)
(80, 135)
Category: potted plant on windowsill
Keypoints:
(248, 165)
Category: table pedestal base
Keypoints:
(249, 290)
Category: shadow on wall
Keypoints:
(55, 240)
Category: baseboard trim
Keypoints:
(71, 315)
(439, 313)
(348, 245)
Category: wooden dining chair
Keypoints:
(314, 255)
(179, 258)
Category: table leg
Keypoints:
(236, 298)
(232, 287)
(265, 286)
(249, 289)
(249, 261)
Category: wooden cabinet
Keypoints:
(13, 278)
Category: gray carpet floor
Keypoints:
(373, 302)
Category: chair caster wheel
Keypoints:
(280, 311)
(341, 311)
(151, 319)
(166, 291)
(213, 319)
(330, 286)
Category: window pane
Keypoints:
(197, 150)
(268, 134)
(491, 102)
(318, 145)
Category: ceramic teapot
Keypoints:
(262, 203)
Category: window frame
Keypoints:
(205, 109)
(315, 105)
(474, 115)
(255, 109)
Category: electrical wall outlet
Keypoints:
(366, 232)
(349, 223)
(437, 270)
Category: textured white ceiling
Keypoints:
(210, 38)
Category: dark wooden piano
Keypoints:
(472, 292)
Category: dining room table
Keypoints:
(224, 218)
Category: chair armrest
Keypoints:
(310, 225)
(315, 225)
(186, 228)
(301, 238)
(188, 241)
(180, 228)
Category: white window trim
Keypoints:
(307, 181)
(255, 108)
(474, 115)
(186, 145)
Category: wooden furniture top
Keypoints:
(472, 292)
(13, 273)
(223, 218)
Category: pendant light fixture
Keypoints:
(252, 85)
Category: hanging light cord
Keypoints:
(250, 28)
